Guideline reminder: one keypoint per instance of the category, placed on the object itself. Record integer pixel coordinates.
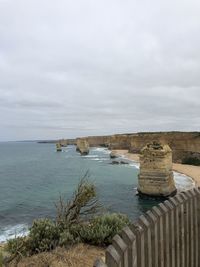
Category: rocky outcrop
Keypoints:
(113, 155)
(156, 176)
(58, 147)
(82, 146)
(118, 162)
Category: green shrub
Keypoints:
(1, 259)
(43, 236)
(17, 246)
(83, 204)
(67, 239)
(103, 228)
(191, 161)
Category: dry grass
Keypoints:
(79, 256)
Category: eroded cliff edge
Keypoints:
(184, 145)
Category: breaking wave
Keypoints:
(10, 232)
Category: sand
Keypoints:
(189, 170)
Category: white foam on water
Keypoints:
(183, 182)
(10, 232)
(135, 165)
(101, 149)
(91, 156)
(99, 159)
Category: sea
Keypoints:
(33, 176)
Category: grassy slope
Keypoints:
(79, 256)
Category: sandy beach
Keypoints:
(189, 170)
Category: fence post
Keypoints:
(187, 233)
(122, 250)
(176, 226)
(112, 257)
(158, 214)
(154, 237)
(165, 214)
(139, 233)
(130, 240)
(188, 221)
(196, 241)
(147, 240)
(170, 208)
(181, 229)
(99, 263)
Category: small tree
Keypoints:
(84, 203)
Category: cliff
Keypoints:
(183, 144)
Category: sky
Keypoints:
(72, 68)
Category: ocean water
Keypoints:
(33, 176)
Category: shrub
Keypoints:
(67, 239)
(83, 203)
(1, 259)
(103, 228)
(43, 236)
(17, 246)
(191, 161)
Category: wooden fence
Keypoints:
(168, 235)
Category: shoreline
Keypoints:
(189, 170)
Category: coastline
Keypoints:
(188, 170)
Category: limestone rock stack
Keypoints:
(156, 176)
(82, 146)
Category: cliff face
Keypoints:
(183, 144)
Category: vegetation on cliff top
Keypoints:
(191, 161)
(79, 220)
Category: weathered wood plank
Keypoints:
(175, 204)
(153, 220)
(122, 250)
(147, 239)
(196, 242)
(182, 230)
(130, 240)
(171, 233)
(165, 214)
(186, 203)
(99, 263)
(112, 257)
(190, 243)
(139, 233)
(158, 214)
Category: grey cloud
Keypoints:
(72, 68)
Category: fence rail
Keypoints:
(168, 235)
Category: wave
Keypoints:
(100, 159)
(91, 156)
(135, 165)
(101, 149)
(10, 232)
(183, 182)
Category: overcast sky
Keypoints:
(72, 68)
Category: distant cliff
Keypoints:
(62, 141)
(185, 145)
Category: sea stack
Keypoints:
(156, 177)
(82, 146)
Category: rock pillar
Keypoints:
(82, 146)
(156, 176)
